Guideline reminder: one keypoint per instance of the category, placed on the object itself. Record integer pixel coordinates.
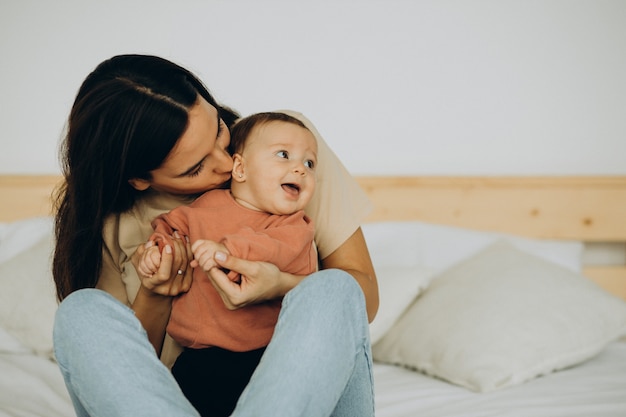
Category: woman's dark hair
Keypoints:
(126, 118)
(240, 131)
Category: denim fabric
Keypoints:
(317, 364)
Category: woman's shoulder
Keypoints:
(133, 227)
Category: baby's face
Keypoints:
(280, 159)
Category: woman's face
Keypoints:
(199, 161)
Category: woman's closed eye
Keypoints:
(221, 141)
(196, 171)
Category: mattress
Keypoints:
(596, 388)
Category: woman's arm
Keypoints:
(153, 302)
(354, 258)
(263, 281)
(153, 311)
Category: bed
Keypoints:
(500, 296)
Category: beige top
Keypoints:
(338, 207)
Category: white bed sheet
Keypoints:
(596, 388)
(32, 386)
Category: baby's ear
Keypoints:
(239, 172)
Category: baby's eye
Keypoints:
(282, 154)
(309, 164)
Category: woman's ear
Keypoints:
(239, 172)
(139, 184)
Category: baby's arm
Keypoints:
(204, 253)
(150, 260)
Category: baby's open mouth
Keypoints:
(291, 188)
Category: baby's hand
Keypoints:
(204, 252)
(150, 260)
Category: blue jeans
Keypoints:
(317, 364)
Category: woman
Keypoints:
(144, 136)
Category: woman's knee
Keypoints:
(80, 304)
(84, 310)
(335, 280)
(329, 287)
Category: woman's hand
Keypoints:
(260, 281)
(165, 272)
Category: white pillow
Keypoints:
(406, 254)
(397, 287)
(438, 247)
(502, 318)
(9, 344)
(401, 277)
(27, 296)
(20, 235)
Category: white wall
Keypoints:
(397, 87)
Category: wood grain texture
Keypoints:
(591, 209)
(24, 196)
(580, 208)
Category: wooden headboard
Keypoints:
(590, 209)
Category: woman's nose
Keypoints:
(226, 162)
